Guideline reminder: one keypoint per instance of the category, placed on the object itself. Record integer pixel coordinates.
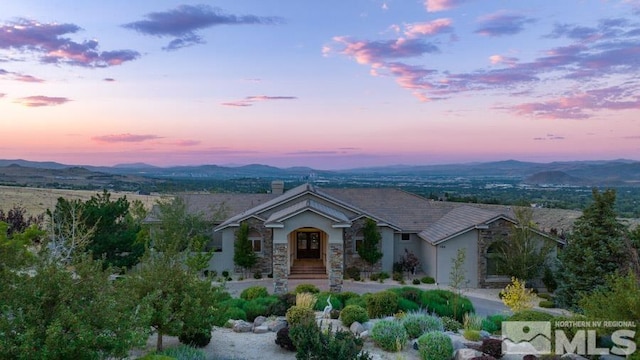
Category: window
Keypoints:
(256, 241)
(406, 237)
(358, 240)
(494, 259)
(215, 244)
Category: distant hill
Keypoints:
(553, 177)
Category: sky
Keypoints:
(329, 84)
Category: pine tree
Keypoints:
(369, 251)
(594, 250)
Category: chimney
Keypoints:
(277, 187)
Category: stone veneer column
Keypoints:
(336, 267)
(280, 255)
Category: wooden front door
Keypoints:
(308, 245)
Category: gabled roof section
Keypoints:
(338, 217)
(459, 221)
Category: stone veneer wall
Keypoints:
(280, 259)
(498, 230)
(336, 269)
(264, 263)
(351, 257)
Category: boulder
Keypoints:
(364, 335)
(572, 357)
(242, 326)
(276, 325)
(259, 320)
(466, 354)
(261, 329)
(356, 328)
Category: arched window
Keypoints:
(494, 259)
(256, 241)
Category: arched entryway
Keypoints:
(308, 253)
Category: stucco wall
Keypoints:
(386, 245)
(428, 258)
(447, 252)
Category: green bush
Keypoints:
(418, 323)
(346, 296)
(435, 346)
(259, 307)
(254, 292)
(549, 280)
(545, 296)
(283, 303)
(489, 326)
(352, 313)
(298, 314)
(312, 343)
(381, 276)
(358, 301)
(531, 315)
(407, 305)
(397, 276)
(389, 335)
(382, 304)
(322, 301)
(442, 303)
(451, 324)
(408, 292)
(428, 280)
(196, 339)
(257, 275)
(184, 352)
(307, 288)
(471, 335)
(352, 272)
(497, 320)
(547, 304)
(415, 281)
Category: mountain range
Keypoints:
(620, 172)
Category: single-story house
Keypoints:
(314, 231)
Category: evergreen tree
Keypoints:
(369, 251)
(243, 254)
(594, 250)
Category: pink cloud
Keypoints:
(127, 138)
(250, 100)
(441, 5)
(40, 100)
(372, 52)
(434, 27)
(20, 77)
(186, 143)
(503, 23)
(503, 60)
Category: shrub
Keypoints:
(257, 275)
(397, 276)
(225, 273)
(322, 301)
(283, 303)
(311, 343)
(545, 296)
(489, 326)
(415, 281)
(471, 335)
(184, 352)
(346, 295)
(382, 304)
(283, 339)
(451, 324)
(408, 292)
(353, 313)
(435, 346)
(516, 296)
(358, 301)
(255, 308)
(407, 305)
(492, 347)
(531, 315)
(418, 323)
(196, 339)
(297, 314)
(472, 322)
(306, 299)
(442, 303)
(254, 292)
(307, 288)
(389, 335)
(547, 304)
(428, 280)
(352, 272)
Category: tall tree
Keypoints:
(369, 250)
(594, 250)
(524, 253)
(243, 254)
(115, 229)
(67, 233)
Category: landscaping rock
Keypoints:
(572, 357)
(276, 325)
(259, 320)
(364, 335)
(242, 326)
(261, 329)
(356, 328)
(466, 354)
(368, 325)
(611, 357)
(484, 334)
(457, 340)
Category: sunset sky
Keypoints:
(328, 84)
